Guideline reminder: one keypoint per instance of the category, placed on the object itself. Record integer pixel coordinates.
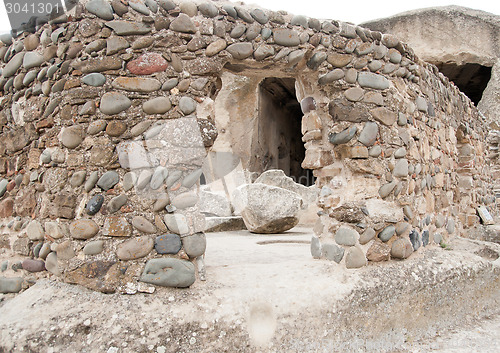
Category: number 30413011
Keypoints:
(33, 8)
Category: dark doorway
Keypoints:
(279, 143)
(471, 79)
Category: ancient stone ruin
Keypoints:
(115, 119)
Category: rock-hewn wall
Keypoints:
(107, 117)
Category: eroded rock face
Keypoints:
(268, 209)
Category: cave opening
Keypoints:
(471, 79)
(279, 144)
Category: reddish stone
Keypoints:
(6, 208)
(33, 265)
(147, 64)
(25, 202)
(11, 185)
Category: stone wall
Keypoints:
(107, 115)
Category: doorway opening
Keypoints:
(279, 143)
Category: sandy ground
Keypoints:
(266, 294)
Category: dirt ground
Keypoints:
(265, 293)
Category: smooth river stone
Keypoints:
(108, 180)
(94, 247)
(94, 204)
(31, 265)
(137, 84)
(94, 79)
(115, 45)
(143, 225)
(91, 181)
(100, 8)
(372, 80)
(354, 258)
(159, 105)
(147, 64)
(161, 202)
(32, 59)
(169, 272)
(183, 24)
(368, 135)
(195, 245)
(401, 248)
(135, 248)
(11, 67)
(187, 105)
(387, 233)
(96, 126)
(72, 137)
(168, 244)
(177, 223)
(286, 37)
(240, 51)
(117, 202)
(116, 227)
(346, 236)
(83, 229)
(158, 177)
(129, 180)
(192, 178)
(77, 178)
(11, 284)
(114, 103)
(185, 200)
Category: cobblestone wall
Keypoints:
(105, 128)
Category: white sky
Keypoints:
(356, 11)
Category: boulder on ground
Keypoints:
(267, 209)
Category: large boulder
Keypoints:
(267, 209)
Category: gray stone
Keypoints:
(114, 103)
(343, 136)
(316, 60)
(185, 200)
(94, 79)
(208, 9)
(4, 265)
(187, 105)
(425, 237)
(214, 204)
(175, 175)
(372, 80)
(83, 229)
(354, 94)
(176, 223)
(286, 37)
(91, 181)
(408, 212)
(35, 231)
(51, 264)
(295, 57)
(386, 234)
(3, 186)
(108, 180)
(192, 178)
(263, 52)
(11, 67)
(169, 272)
(194, 245)
(126, 28)
(315, 247)
(94, 204)
(369, 134)
(159, 105)
(259, 16)
(438, 238)
(450, 226)
(170, 83)
(129, 181)
(96, 126)
(11, 284)
(32, 59)
(77, 178)
(144, 179)
(134, 248)
(161, 202)
(158, 178)
(115, 45)
(244, 14)
(72, 136)
(299, 20)
(415, 240)
(400, 152)
(267, 209)
(167, 5)
(346, 236)
(168, 244)
(401, 168)
(183, 24)
(421, 104)
(139, 6)
(354, 258)
(332, 252)
(401, 248)
(94, 247)
(143, 225)
(117, 202)
(30, 77)
(238, 31)
(366, 236)
(132, 155)
(100, 8)
(240, 51)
